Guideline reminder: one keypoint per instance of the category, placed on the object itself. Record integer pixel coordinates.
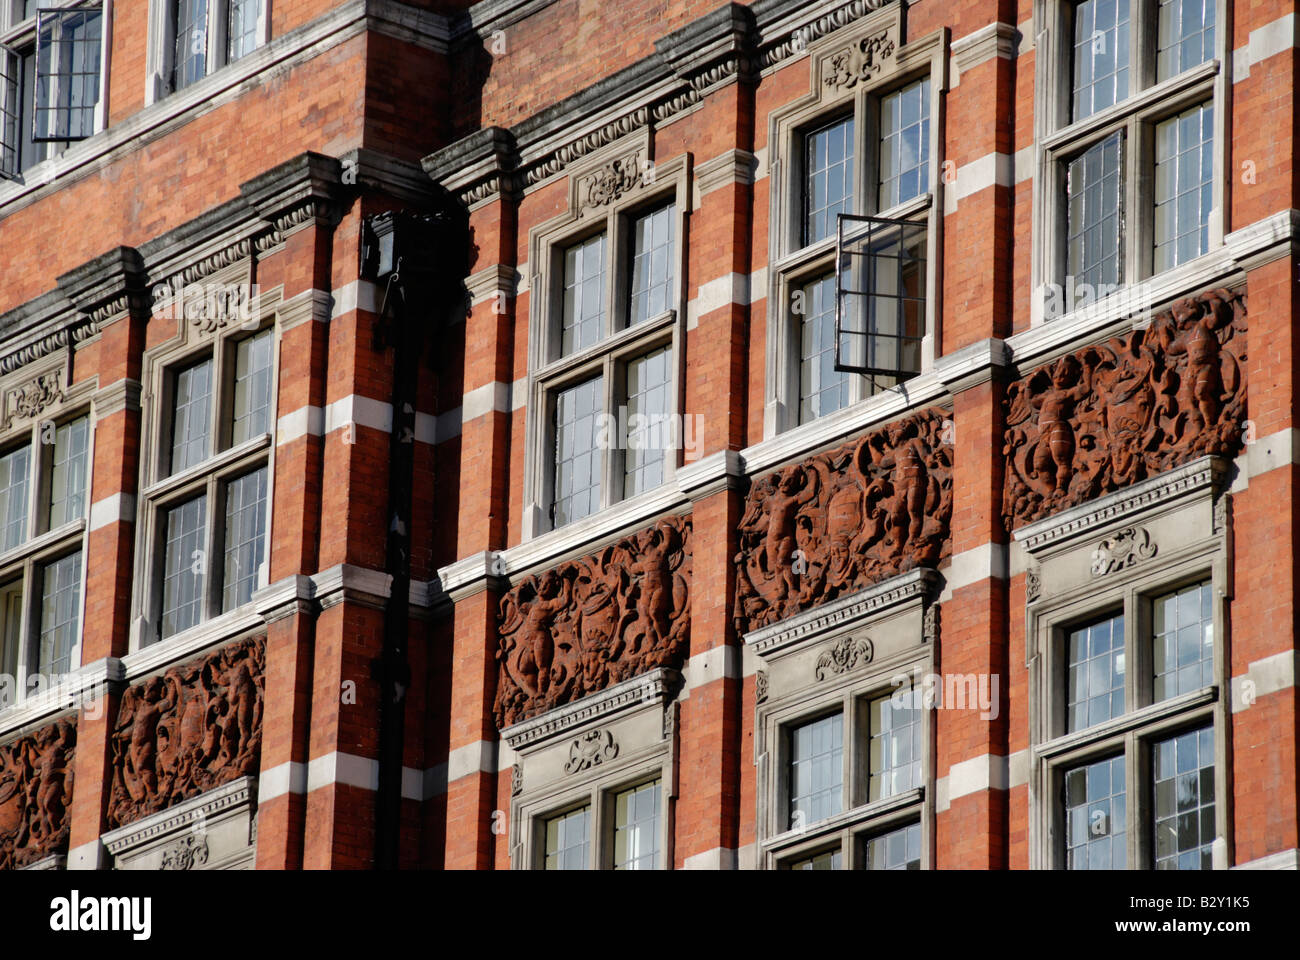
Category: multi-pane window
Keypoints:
(636, 828)
(568, 840)
(609, 380)
(904, 144)
(828, 178)
(1182, 769)
(822, 388)
(205, 35)
(1183, 646)
(899, 849)
(1129, 164)
(1184, 189)
(43, 501)
(895, 753)
(211, 489)
(1095, 684)
(826, 860)
(816, 770)
(1095, 816)
(51, 74)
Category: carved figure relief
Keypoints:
(1113, 414)
(847, 654)
(842, 520)
(197, 726)
(36, 794)
(185, 853)
(594, 622)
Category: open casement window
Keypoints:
(44, 487)
(202, 36)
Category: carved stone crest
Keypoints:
(859, 62)
(610, 182)
(1126, 548)
(847, 654)
(197, 726)
(595, 621)
(185, 853)
(36, 794)
(843, 520)
(1110, 415)
(29, 400)
(591, 750)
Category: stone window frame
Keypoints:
(160, 48)
(914, 593)
(636, 762)
(199, 336)
(793, 265)
(548, 372)
(1131, 590)
(17, 33)
(24, 564)
(1057, 141)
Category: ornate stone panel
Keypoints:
(36, 794)
(195, 727)
(595, 621)
(1113, 414)
(842, 520)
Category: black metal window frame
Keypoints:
(69, 68)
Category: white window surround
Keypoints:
(159, 492)
(1057, 140)
(547, 370)
(1187, 526)
(159, 51)
(15, 34)
(792, 266)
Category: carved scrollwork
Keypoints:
(843, 520)
(760, 686)
(1126, 548)
(595, 621)
(590, 750)
(1033, 585)
(516, 780)
(1110, 415)
(197, 726)
(36, 794)
(847, 654)
(610, 182)
(185, 853)
(29, 400)
(859, 62)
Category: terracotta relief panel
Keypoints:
(596, 621)
(1112, 414)
(36, 794)
(842, 520)
(193, 728)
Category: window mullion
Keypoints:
(35, 475)
(212, 546)
(609, 457)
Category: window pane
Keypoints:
(1183, 645)
(895, 751)
(1186, 36)
(650, 432)
(905, 144)
(191, 415)
(1094, 673)
(67, 74)
(1183, 769)
(828, 178)
(829, 860)
(68, 473)
(822, 389)
(14, 469)
(1096, 816)
(578, 461)
(60, 611)
(252, 404)
(816, 770)
(11, 609)
(652, 264)
(190, 28)
(1100, 55)
(568, 840)
(1184, 185)
(636, 828)
(245, 536)
(897, 850)
(583, 318)
(184, 565)
(1094, 216)
(241, 28)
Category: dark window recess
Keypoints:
(67, 73)
(880, 279)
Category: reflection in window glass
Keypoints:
(68, 473)
(897, 850)
(830, 860)
(1100, 55)
(191, 413)
(1183, 769)
(905, 144)
(568, 840)
(1094, 221)
(816, 770)
(636, 828)
(578, 461)
(252, 406)
(245, 534)
(1095, 678)
(1184, 186)
(183, 566)
(895, 745)
(652, 264)
(828, 179)
(1183, 648)
(583, 318)
(1096, 817)
(60, 609)
(649, 436)
(1186, 36)
(14, 468)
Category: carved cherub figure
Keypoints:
(48, 757)
(535, 624)
(779, 545)
(1054, 455)
(142, 709)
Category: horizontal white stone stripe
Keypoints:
(733, 288)
(985, 772)
(1264, 42)
(719, 858)
(354, 771)
(1262, 677)
(118, 507)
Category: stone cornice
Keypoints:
(1200, 477)
(917, 585)
(72, 691)
(107, 287)
(653, 687)
(120, 395)
(296, 193)
(995, 40)
(972, 365)
(724, 470)
(239, 792)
